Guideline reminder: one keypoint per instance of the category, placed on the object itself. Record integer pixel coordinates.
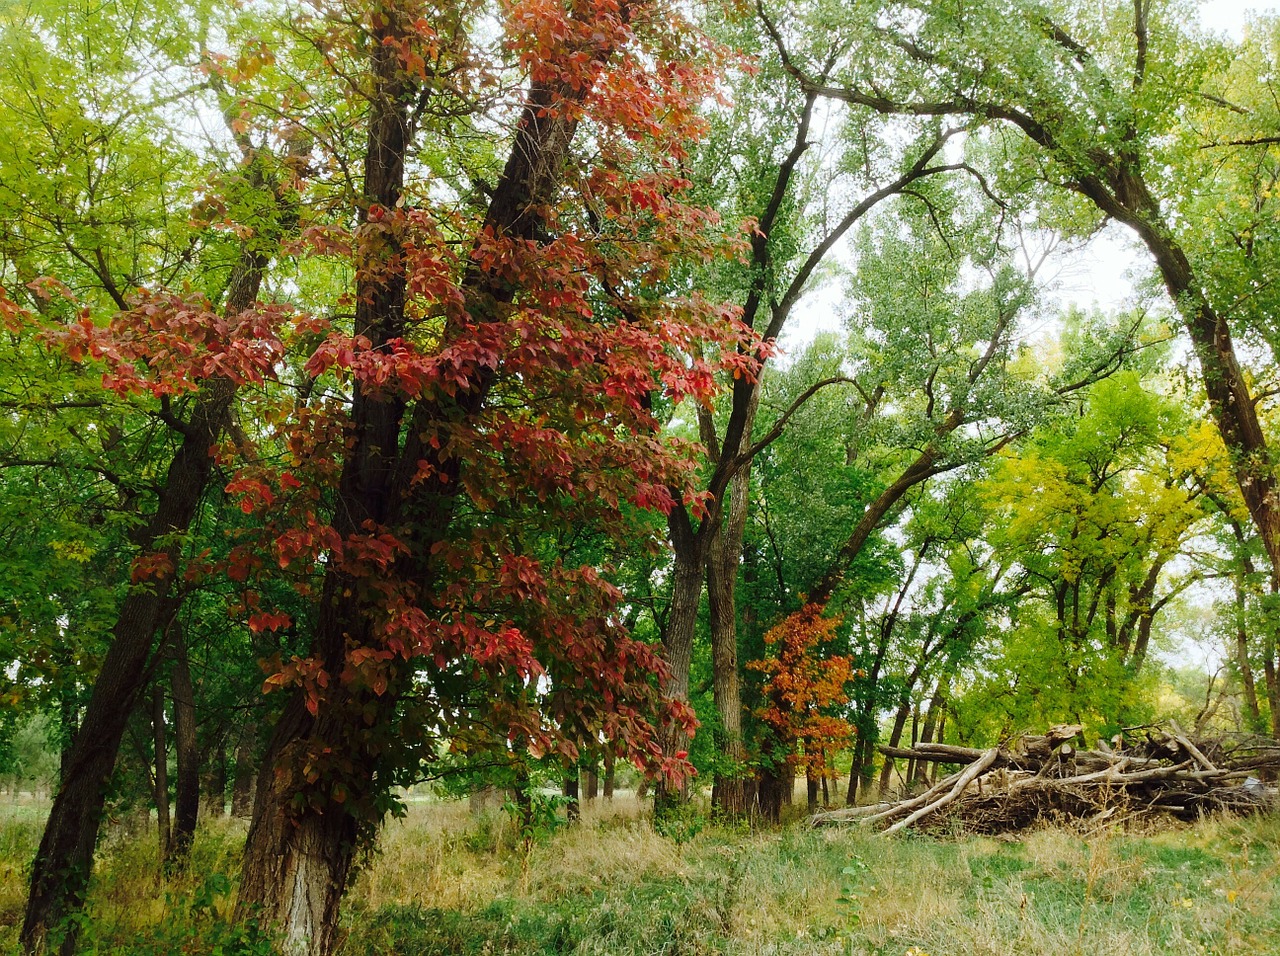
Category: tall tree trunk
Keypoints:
(682, 620)
(728, 793)
(160, 778)
(186, 748)
(297, 860)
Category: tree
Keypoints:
(106, 221)
(804, 691)
(773, 170)
(506, 357)
(1100, 99)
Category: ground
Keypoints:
(446, 882)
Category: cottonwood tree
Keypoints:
(1093, 105)
(806, 175)
(1104, 510)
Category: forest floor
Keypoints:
(446, 882)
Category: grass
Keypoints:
(444, 882)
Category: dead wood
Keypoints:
(1142, 773)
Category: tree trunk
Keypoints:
(728, 793)
(246, 772)
(895, 737)
(214, 782)
(682, 620)
(860, 774)
(609, 761)
(1272, 681)
(931, 721)
(769, 794)
(160, 778)
(592, 781)
(569, 789)
(187, 784)
(296, 889)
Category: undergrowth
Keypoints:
(445, 882)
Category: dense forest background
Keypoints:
(390, 395)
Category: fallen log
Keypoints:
(1027, 779)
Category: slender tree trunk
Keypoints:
(246, 772)
(592, 782)
(895, 737)
(160, 778)
(1272, 681)
(64, 860)
(609, 761)
(569, 789)
(931, 721)
(214, 781)
(187, 784)
(1246, 678)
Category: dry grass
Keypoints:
(446, 882)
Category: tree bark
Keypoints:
(682, 621)
(160, 776)
(931, 721)
(246, 772)
(187, 751)
(895, 738)
(728, 792)
(609, 761)
(569, 789)
(213, 781)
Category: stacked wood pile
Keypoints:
(1157, 770)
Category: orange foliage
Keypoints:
(804, 689)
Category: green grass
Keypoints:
(446, 883)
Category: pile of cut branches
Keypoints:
(1153, 770)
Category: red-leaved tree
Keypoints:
(500, 386)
